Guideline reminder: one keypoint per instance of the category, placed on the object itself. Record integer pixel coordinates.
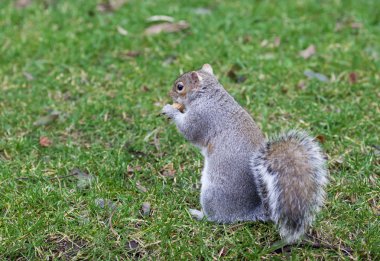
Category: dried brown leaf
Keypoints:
(130, 54)
(356, 25)
(141, 188)
(121, 30)
(130, 169)
(277, 41)
(4, 154)
(160, 18)
(47, 119)
(222, 252)
(28, 76)
(45, 141)
(110, 5)
(352, 77)
(145, 88)
(234, 76)
(373, 179)
(168, 170)
(321, 138)
(308, 52)
(301, 85)
(166, 28)
(22, 3)
(247, 39)
(375, 206)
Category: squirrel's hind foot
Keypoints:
(196, 214)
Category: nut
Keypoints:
(178, 106)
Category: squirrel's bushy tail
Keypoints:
(291, 174)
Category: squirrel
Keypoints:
(246, 177)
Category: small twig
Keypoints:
(281, 248)
(320, 244)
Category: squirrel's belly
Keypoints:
(205, 179)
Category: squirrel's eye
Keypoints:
(180, 86)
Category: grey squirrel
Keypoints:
(246, 177)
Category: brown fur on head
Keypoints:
(189, 83)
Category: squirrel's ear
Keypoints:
(195, 77)
(207, 68)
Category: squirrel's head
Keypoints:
(191, 85)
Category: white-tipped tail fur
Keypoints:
(291, 176)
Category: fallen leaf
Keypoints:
(356, 25)
(47, 119)
(301, 85)
(339, 26)
(110, 5)
(222, 252)
(168, 170)
(375, 206)
(131, 54)
(352, 77)
(132, 245)
(160, 18)
(247, 39)
(313, 75)
(131, 169)
(145, 209)
(233, 75)
(22, 3)
(373, 179)
(169, 60)
(121, 30)
(321, 138)
(308, 52)
(28, 76)
(277, 41)
(267, 56)
(4, 155)
(84, 179)
(166, 28)
(264, 43)
(145, 88)
(45, 142)
(105, 203)
(201, 11)
(140, 187)
(353, 199)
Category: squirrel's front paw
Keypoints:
(169, 111)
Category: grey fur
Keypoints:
(234, 178)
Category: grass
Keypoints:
(67, 56)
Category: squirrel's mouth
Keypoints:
(174, 96)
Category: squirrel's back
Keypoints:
(291, 175)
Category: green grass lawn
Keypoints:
(93, 84)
